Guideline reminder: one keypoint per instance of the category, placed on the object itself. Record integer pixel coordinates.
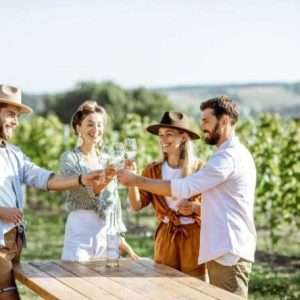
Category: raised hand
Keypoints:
(126, 177)
(105, 177)
(130, 165)
(110, 172)
(186, 208)
(10, 215)
(94, 178)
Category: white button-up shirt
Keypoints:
(227, 183)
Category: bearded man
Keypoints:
(17, 169)
(227, 184)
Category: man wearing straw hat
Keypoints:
(227, 183)
(17, 169)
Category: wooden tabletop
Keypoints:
(133, 280)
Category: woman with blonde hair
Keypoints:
(85, 231)
(177, 237)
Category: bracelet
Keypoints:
(80, 180)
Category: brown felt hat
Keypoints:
(12, 96)
(174, 120)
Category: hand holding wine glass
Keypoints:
(110, 172)
(130, 165)
(118, 156)
(105, 155)
(130, 148)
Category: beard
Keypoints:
(5, 133)
(2, 134)
(214, 136)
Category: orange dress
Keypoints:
(176, 244)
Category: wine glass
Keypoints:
(118, 156)
(104, 156)
(130, 148)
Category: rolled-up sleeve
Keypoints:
(215, 171)
(34, 175)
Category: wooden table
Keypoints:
(133, 280)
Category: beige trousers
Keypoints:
(234, 279)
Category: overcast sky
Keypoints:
(50, 45)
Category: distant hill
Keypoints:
(283, 98)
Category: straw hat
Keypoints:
(12, 96)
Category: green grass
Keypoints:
(268, 284)
(280, 282)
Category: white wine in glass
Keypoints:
(130, 148)
(104, 156)
(118, 156)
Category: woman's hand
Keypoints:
(127, 178)
(130, 165)
(110, 172)
(132, 254)
(107, 176)
(93, 177)
(125, 247)
(187, 208)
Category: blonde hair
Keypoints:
(189, 158)
(187, 154)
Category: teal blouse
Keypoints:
(72, 163)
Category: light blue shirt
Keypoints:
(17, 169)
(7, 194)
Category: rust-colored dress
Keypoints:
(176, 244)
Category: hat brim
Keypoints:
(155, 127)
(23, 108)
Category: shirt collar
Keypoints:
(232, 140)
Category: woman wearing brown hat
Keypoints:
(85, 232)
(178, 233)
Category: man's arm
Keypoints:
(61, 183)
(155, 186)
(212, 174)
(40, 178)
